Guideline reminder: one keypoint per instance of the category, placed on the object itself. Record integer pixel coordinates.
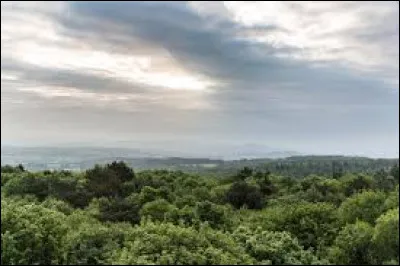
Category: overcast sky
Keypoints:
(314, 77)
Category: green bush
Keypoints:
(366, 206)
(242, 194)
(386, 236)
(28, 184)
(276, 248)
(216, 215)
(168, 244)
(157, 209)
(356, 183)
(90, 242)
(353, 245)
(314, 224)
(392, 200)
(118, 210)
(31, 234)
(103, 182)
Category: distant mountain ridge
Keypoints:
(79, 158)
(227, 153)
(288, 163)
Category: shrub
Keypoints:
(366, 206)
(353, 245)
(31, 234)
(242, 194)
(167, 244)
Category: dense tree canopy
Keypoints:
(353, 245)
(113, 215)
(366, 206)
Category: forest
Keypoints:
(303, 212)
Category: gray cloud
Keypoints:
(31, 74)
(214, 52)
(273, 92)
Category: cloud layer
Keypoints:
(317, 77)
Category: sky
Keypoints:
(313, 77)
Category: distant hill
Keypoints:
(41, 158)
(89, 155)
(300, 166)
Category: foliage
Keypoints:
(384, 181)
(392, 200)
(57, 205)
(56, 185)
(168, 244)
(386, 236)
(302, 166)
(148, 194)
(265, 183)
(157, 209)
(366, 206)
(394, 171)
(31, 234)
(244, 173)
(182, 216)
(276, 248)
(356, 183)
(90, 242)
(123, 172)
(8, 169)
(299, 210)
(28, 184)
(216, 215)
(314, 224)
(118, 210)
(103, 181)
(318, 189)
(353, 245)
(242, 194)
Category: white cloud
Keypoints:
(325, 30)
(38, 41)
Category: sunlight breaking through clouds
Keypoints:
(228, 71)
(38, 41)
